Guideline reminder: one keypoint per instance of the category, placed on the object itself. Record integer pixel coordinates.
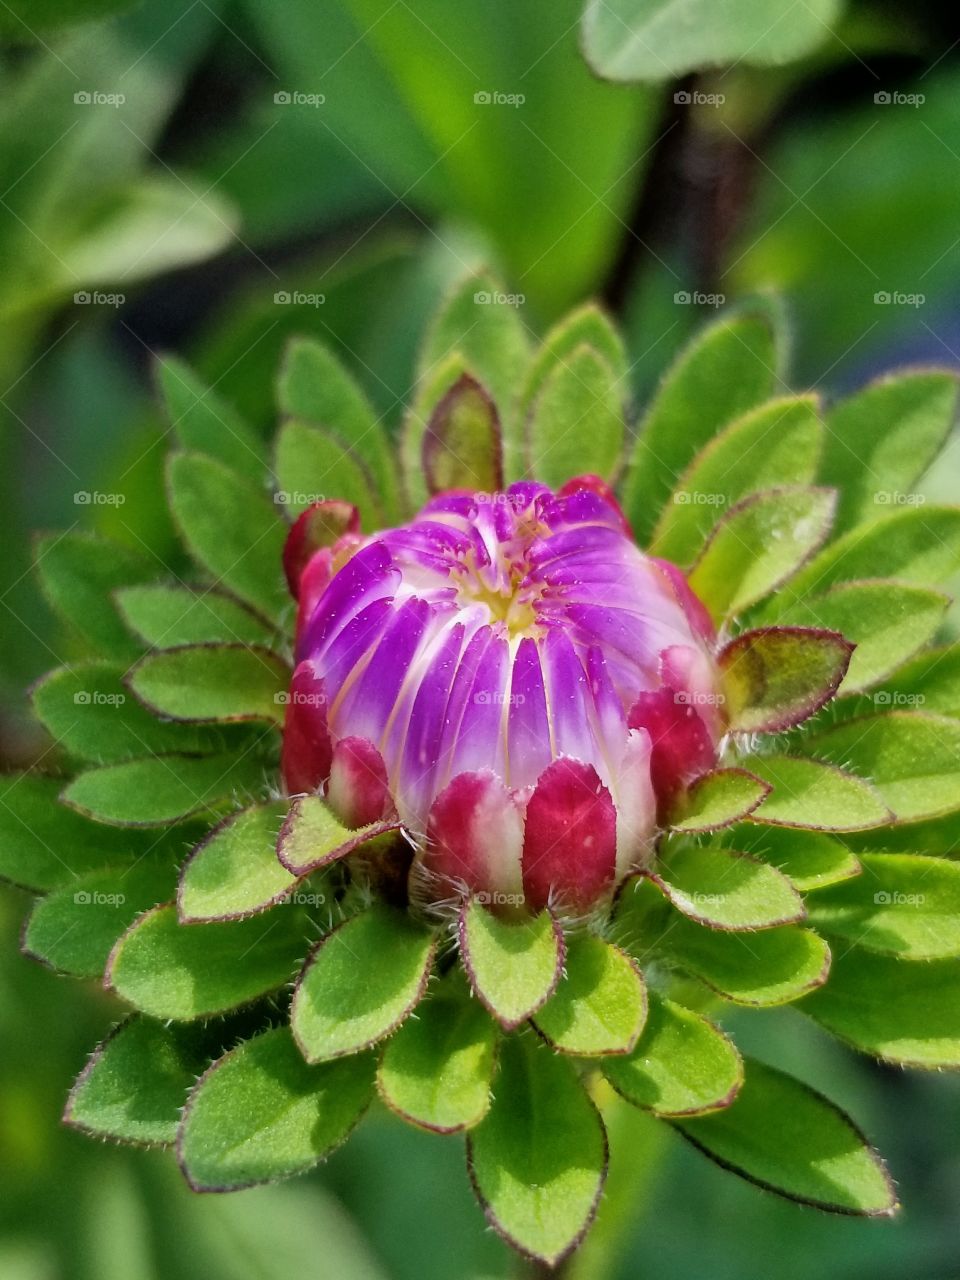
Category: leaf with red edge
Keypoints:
(726, 889)
(361, 982)
(682, 1064)
(817, 796)
(784, 1136)
(776, 677)
(539, 1159)
(759, 544)
(514, 964)
(462, 448)
(312, 838)
(718, 799)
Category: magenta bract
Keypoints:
(510, 676)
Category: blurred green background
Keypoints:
(212, 176)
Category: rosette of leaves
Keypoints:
(272, 998)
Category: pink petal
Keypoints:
(358, 792)
(475, 838)
(307, 750)
(593, 484)
(570, 839)
(681, 745)
(636, 805)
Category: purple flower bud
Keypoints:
(510, 676)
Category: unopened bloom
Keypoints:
(511, 677)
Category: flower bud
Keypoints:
(511, 677)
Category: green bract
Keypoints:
(278, 974)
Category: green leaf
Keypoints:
(316, 388)
(312, 466)
(903, 1011)
(773, 445)
(718, 799)
(887, 621)
(165, 617)
(230, 528)
(205, 423)
(261, 1113)
(576, 422)
(728, 368)
(726, 889)
(776, 677)
(931, 681)
(312, 838)
(145, 226)
(235, 871)
(538, 1161)
(44, 845)
(881, 440)
(682, 1064)
(912, 758)
(23, 18)
(78, 572)
(663, 39)
(587, 326)
(784, 1136)
(436, 1071)
(151, 793)
(360, 983)
(225, 682)
(810, 794)
(767, 968)
(903, 904)
(74, 929)
(513, 965)
(135, 1084)
(89, 710)
(472, 333)
(462, 447)
(187, 971)
(807, 858)
(600, 1004)
(917, 544)
(758, 545)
